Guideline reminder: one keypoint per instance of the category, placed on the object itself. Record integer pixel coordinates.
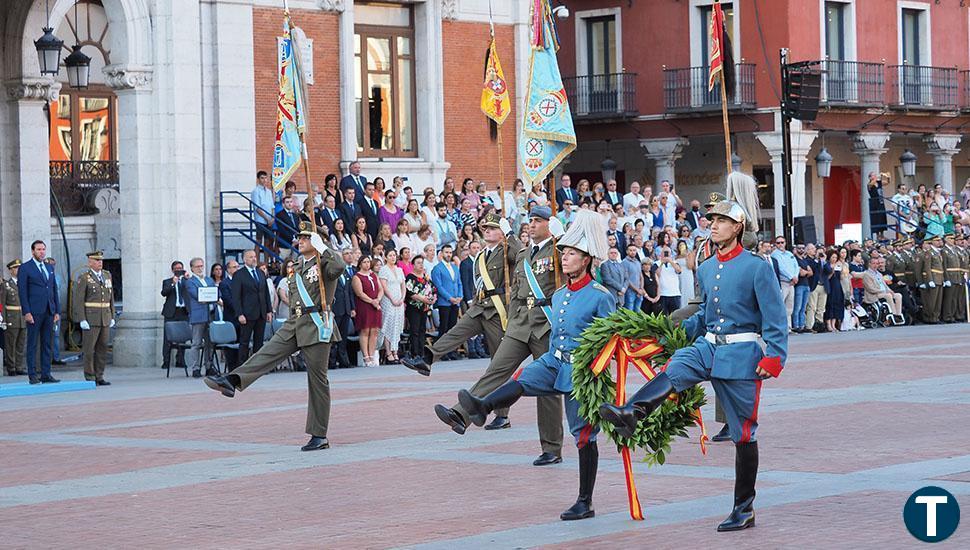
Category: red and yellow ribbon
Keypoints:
(637, 352)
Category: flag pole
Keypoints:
(505, 214)
(727, 127)
(551, 192)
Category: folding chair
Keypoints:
(222, 335)
(178, 334)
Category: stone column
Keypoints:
(870, 146)
(942, 147)
(144, 253)
(664, 153)
(348, 107)
(801, 143)
(25, 200)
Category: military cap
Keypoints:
(714, 199)
(306, 229)
(935, 238)
(490, 220)
(728, 209)
(541, 212)
(95, 255)
(13, 263)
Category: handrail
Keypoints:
(249, 215)
(923, 215)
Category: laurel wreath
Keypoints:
(655, 433)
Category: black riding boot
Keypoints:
(588, 461)
(638, 407)
(746, 473)
(478, 409)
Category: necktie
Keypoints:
(488, 254)
(253, 273)
(43, 270)
(535, 249)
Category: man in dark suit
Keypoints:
(228, 313)
(566, 192)
(369, 209)
(694, 214)
(344, 307)
(174, 309)
(613, 196)
(329, 213)
(286, 223)
(354, 181)
(350, 210)
(466, 270)
(252, 303)
(41, 309)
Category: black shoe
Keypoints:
(34, 380)
(102, 382)
(211, 371)
(58, 362)
(588, 463)
(49, 380)
(746, 473)
(503, 397)
(197, 373)
(650, 396)
(451, 418)
(19, 372)
(417, 364)
(546, 459)
(723, 435)
(221, 384)
(315, 444)
(499, 423)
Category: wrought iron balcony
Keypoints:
(853, 83)
(922, 87)
(965, 90)
(74, 183)
(685, 90)
(602, 96)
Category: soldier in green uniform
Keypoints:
(929, 266)
(93, 308)
(961, 247)
(534, 282)
(488, 313)
(15, 331)
(310, 328)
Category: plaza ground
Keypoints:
(855, 424)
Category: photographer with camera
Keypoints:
(668, 277)
(174, 309)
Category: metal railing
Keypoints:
(965, 90)
(75, 183)
(853, 83)
(602, 95)
(686, 89)
(922, 87)
(237, 217)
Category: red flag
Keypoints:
(716, 36)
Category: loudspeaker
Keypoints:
(803, 91)
(805, 230)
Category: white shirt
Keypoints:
(631, 201)
(669, 280)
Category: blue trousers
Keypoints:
(798, 312)
(739, 398)
(42, 329)
(632, 300)
(538, 379)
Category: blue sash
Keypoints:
(324, 326)
(530, 276)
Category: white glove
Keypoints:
(504, 225)
(922, 285)
(111, 324)
(946, 283)
(932, 284)
(317, 241)
(556, 228)
(85, 325)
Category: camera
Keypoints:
(179, 272)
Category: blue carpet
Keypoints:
(24, 388)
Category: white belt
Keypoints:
(721, 339)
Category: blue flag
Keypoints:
(290, 121)
(548, 135)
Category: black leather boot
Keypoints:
(479, 409)
(638, 407)
(746, 473)
(421, 365)
(588, 462)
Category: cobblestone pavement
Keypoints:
(856, 423)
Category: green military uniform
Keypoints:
(15, 332)
(93, 303)
(952, 281)
(483, 315)
(929, 267)
(300, 333)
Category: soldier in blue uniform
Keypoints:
(741, 306)
(574, 307)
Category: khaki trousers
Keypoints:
(94, 345)
(14, 343)
(815, 307)
(467, 327)
(278, 349)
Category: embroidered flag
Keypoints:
(722, 52)
(290, 115)
(495, 92)
(548, 135)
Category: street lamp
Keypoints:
(823, 163)
(908, 160)
(49, 49)
(608, 167)
(735, 162)
(78, 65)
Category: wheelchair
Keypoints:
(880, 314)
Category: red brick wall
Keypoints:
(468, 146)
(323, 137)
